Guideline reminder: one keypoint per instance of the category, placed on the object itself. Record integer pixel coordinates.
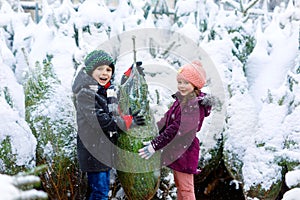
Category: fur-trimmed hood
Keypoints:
(82, 80)
(203, 98)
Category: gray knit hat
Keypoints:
(97, 58)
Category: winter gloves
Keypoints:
(147, 151)
(133, 119)
(138, 120)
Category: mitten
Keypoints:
(133, 119)
(128, 72)
(147, 151)
(138, 120)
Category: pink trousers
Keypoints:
(185, 185)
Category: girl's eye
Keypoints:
(182, 82)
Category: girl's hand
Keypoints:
(147, 151)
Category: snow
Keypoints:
(12, 117)
(183, 7)
(9, 187)
(261, 111)
(271, 58)
(292, 178)
(293, 194)
(89, 11)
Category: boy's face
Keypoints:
(102, 74)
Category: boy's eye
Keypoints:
(100, 68)
(104, 69)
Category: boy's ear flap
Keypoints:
(112, 65)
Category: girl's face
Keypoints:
(184, 87)
(102, 74)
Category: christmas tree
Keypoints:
(139, 177)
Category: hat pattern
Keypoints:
(97, 58)
(193, 73)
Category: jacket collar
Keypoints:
(179, 97)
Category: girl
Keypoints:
(97, 123)
(178, 128)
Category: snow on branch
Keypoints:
(239, 6)
(10, 187)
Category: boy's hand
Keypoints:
(128, 72)
(137, 119)
(139, 68)
(147, 151)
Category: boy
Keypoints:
(97, 122)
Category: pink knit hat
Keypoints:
(193, 73)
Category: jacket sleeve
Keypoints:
(184, 126)
(167, 134)
(207, 110)
(94, 112)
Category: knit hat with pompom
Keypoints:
(97, 58)
(193, 73)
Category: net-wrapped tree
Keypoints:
(139, 177)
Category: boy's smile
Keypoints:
(102, 74)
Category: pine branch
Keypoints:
(250, 5)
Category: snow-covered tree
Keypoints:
(255, 49)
